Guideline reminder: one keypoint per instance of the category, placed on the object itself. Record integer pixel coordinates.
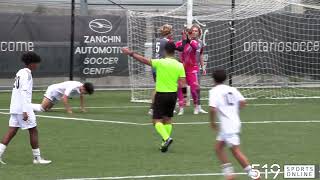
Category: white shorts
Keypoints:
(16, 120)
(230, 139)
(52, 95)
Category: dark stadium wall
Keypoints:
(99, 38)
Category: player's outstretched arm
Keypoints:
(66, 104)
(136, 56)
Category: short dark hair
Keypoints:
(219, 75)
(30, 57)
(89, 87)
(170, 47)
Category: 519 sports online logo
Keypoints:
(276, 171)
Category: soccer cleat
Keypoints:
(181, 112)
(165, 146)
(202, 111)
(162, 143)
(41, 161)
(228, 171)
(196, 111)
(1, 162)
(150, 112)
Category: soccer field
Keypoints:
(115, 139)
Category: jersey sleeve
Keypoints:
(178, 44)
(212, 99)
(194, 44)
(182, 73)
(239, 96)
(155, 63)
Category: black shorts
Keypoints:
(164, 104)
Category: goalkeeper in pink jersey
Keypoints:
(191, 56)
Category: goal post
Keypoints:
(189, 13)
(276, 45)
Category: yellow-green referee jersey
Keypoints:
(169, 70)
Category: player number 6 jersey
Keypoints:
(226, 100)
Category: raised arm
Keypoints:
(136, 56)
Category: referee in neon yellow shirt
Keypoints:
(170, 74)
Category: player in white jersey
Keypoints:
(225, 103)
(64, 91)
(21, 113)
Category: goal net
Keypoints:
(270, 49)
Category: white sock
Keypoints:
(227, 169)
(36, 153)
(249, 171)
(37, 108)
(2, 149)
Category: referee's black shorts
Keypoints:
(164, 104)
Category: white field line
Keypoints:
(127, 107)
(83, 119)
(97, 107)
(147, 124)
(158, 176)
(285, 104)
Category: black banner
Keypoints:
(98, 41)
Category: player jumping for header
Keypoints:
(225, 102)
(21, 113)
(64, 91)
(191, 56)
